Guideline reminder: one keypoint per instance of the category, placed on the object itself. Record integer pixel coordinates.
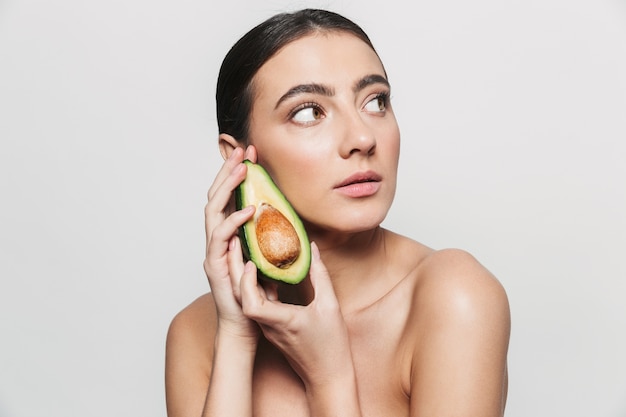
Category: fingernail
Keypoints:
(315, 250)
(232, 244)
(248, 267)
(247, 209)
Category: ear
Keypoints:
(227, 144)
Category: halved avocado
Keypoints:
(274, 238)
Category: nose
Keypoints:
(358, 137)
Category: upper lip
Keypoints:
(366, 176)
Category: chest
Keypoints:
(381, 355)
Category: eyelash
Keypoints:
(384, 95)
(307, 105)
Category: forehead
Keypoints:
(330, 58)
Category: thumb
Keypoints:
(320, 279)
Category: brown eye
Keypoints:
(308, 114)
(376, 105)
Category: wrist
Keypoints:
(231, 374)
(234, 339)
(336, 396)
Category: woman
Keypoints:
(383, 326)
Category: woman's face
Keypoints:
(325, 131)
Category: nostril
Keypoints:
(369, 150)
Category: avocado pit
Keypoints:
(276, 236)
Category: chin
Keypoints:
(355, 222)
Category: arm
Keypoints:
(463, 322)
(231, 378)
(188, 358)
(203, 367)
(326, 369)
(214, 361)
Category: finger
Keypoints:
(271, 290)
(215, 209)
(221, 193)
(251, 153)
(222, 234)
(251, 298)
(320, 279)
(257, 306)
(235, 266)
(235, 158)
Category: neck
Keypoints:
(355, 264)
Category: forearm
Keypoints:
(230, 387)
(338, 397)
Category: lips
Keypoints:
(360, 177)
(360, 185)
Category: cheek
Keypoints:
(291, 174)
(296, 177)
(394, 145)
(295, 163)
(388, 146)
(302, 181)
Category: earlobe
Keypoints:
(227, 144)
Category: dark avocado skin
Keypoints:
(242, 230)
(297, 271)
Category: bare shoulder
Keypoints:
(447, 281)
(197, 320)
(461, 329)
(188, 356)
(455, 282)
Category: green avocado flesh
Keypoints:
(274, 238)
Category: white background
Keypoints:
(513, 119)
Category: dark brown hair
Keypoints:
(234, 94)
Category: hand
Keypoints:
(224, 264)
(313, 338)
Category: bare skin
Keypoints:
(383, 326)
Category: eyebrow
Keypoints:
(370, 80)
(321, 89)
(312, 88)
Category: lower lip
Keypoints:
(361, 189)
